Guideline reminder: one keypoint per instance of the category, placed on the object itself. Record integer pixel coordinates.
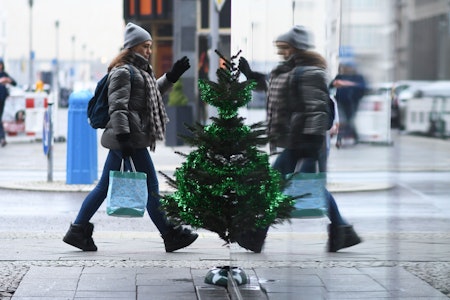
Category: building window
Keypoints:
(424, 2)
(147, 9)
(361, 4)
(360, 37)
(131, 8)
(224, 15)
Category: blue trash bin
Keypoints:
(81, 142)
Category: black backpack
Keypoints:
(97, 111)
(332, 113)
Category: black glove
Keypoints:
(260, 78)
(244, 67)
(178, 68)
(126, 147)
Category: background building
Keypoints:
(389, 40)
(393, 40)
(366, 37)
(179, 28)
(422, 39)
(2, 32)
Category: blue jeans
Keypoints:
(286, 163)
(143, 163)
(347, 113)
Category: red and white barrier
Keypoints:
(35, 106)
(373, 119)
(24, 114)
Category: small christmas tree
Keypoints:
(227, 185)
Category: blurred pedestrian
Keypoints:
(350, 87)
(5, 79)
(297, 116)
(137, 120)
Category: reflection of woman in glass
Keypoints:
(4, 80)
(297, 118)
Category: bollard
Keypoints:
(81, 141)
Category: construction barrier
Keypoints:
(373, 119)
(35, 106)
(24, 113)
(14, 113)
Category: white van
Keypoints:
(428, 112)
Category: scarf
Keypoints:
(156, 118)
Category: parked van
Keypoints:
(402, 91)
(428, 111)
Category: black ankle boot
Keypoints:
(80, 236)
(253, 240)
(178, 238)
(341, 236)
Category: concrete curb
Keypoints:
(61, 186)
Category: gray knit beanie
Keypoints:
(298, 37)
(135, 35)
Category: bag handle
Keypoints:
(122, 165)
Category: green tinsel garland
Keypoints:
(227, 185)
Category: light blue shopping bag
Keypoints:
(310, 187)
(127, 193)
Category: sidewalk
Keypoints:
(293, 265)
(136, 267)
(26, 160)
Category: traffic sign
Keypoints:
(46, 133)
(219, 4)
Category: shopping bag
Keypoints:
(127, 193)
(310, 188)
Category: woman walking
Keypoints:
(137, 121)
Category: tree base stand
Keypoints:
(219, 275)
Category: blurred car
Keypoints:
(402, 91)
(439, 116)
(381, 88)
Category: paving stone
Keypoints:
(208, 292)
(83, 295)
(106, 282)
(52, 272)
(351, 283)
(49, 297)
(150, 293)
